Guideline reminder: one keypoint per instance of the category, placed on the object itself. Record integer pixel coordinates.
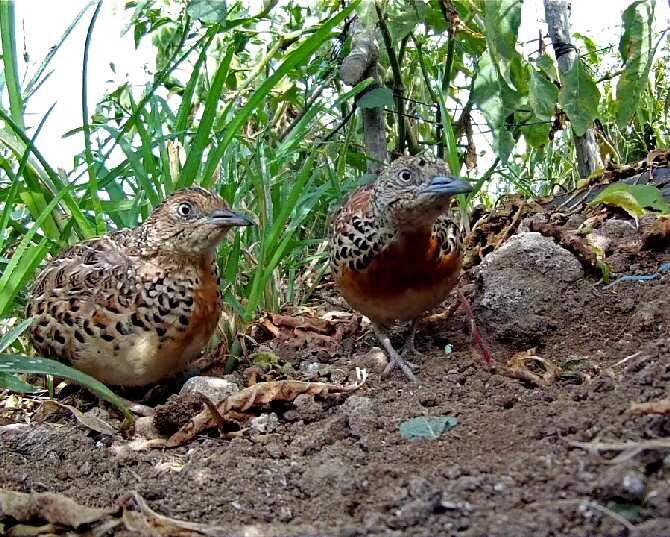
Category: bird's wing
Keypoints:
(447, 235)
(88, 270)
(356, 236)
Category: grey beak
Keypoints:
(446, 185)
(226, 217)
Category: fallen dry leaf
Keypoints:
(302, 331)
(259, 394)
(87, 420)
(654, 407)
(48, 506)
(517, 367)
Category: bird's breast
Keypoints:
(405, 279)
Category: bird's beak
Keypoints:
(446, 185)
(226, 217)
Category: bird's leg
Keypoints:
(474, 330)
(395, 358)
(409, 348)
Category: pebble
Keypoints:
(265, 423)
(214, 388)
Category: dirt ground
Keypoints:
(507, 469)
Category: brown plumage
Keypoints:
(395, 249)
(136, 306)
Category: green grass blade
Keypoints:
(8, 36)
(13, 334)
(15, 384)
(93, 192)
(297, 57)
(37, 80)
(15, 363)
(201, 139)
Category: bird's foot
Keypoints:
(474, 330)
(395, 359)
(409, 348)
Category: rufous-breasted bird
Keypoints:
(395, 249)
(137, 305)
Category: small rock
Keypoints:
(361, 414)
(214, 388)
(265, 423)
(418, 487)
(468, 483)
(146, 428)
(623, 483)
(375, 360)
(307, 408)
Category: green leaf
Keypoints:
(501, 21)
(13, 334)
(427, 427)
(497, 101)
(15, 363)
(377, 98)
(208, 11)
(15, 384)
(590, 45)
(579, 97)
(547, 65)
(542, 95)
(634, 199)
(637, 52)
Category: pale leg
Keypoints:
(395, 358)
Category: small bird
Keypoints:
(395, 251)
(137, 305)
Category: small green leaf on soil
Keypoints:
(428, 427)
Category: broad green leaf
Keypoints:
(536, 133)
(590, 45)
(542, 95)
(501, 21)
(401, 23)
(637, 52)
(377, 98)
(209, 11)
(634, 199)
(579, 97)
(548, 66)
(427, 427)
(15, 363)
(497, 101)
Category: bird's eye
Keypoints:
(185, 210)
(405, 175)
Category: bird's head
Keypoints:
(191, 221)
(413, 191)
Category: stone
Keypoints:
(214, 388)
(517, 286)
(265, 423)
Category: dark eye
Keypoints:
(405, 175)
(185, 210)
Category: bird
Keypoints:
(136, 306)
(396, 249)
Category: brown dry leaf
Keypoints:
(49, 506)
(87, 420)
(259, 394)
(517, 367)
(654, 407)
(301, 331)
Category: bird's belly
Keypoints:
(387, 293)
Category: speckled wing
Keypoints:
(447, 235)
(75, 296)
(356, 238)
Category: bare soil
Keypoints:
(341, 468)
